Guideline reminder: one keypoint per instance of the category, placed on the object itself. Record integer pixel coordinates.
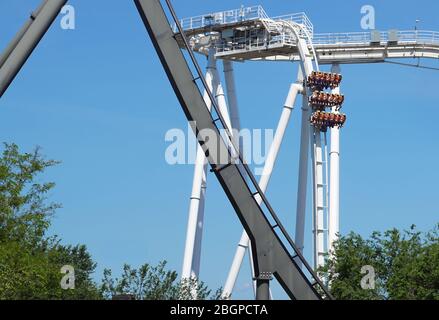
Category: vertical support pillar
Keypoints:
(244, 242)
(192, 255)
(334, 178)
(192, 252)
(306, 67)
(265, 178)
(196, 261)
(318, 199)
(303, 174)
(233, 101)
(222, 104)
(263, 287)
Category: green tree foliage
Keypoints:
(154, 283)
(406, 265)
(30, 261)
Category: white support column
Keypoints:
(334, 178)
(192, 252)
(221, 100)
(244, 243)
(233, 101)
(263, 183)
(318, 199)
(320, 206)
(192, 255)
(236, 266)
(303, 175)
(196, 261)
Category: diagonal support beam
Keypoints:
(24, 43)
(244, 243)
(271, 254)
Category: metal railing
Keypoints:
(221, 18)
(411, 36)
(241, 44)
(241, 15)
(307, 31)
(248, 44)
(299, 18)
(338, 38)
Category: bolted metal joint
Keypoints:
(264, 276)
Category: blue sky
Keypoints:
(97, 99)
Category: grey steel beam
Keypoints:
(7, 52)
(270, 254)
(24, 43)
(262, 289)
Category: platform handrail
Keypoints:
(365, 37)
(221, 18)
(299, 18)
(241, 15)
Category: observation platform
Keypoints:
(250, 34)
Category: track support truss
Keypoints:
(272, 255)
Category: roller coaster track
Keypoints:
(274, 252)
(342, 48)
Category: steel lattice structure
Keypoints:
(250, 34)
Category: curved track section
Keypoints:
(318, 152)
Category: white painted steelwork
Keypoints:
(250, 34)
